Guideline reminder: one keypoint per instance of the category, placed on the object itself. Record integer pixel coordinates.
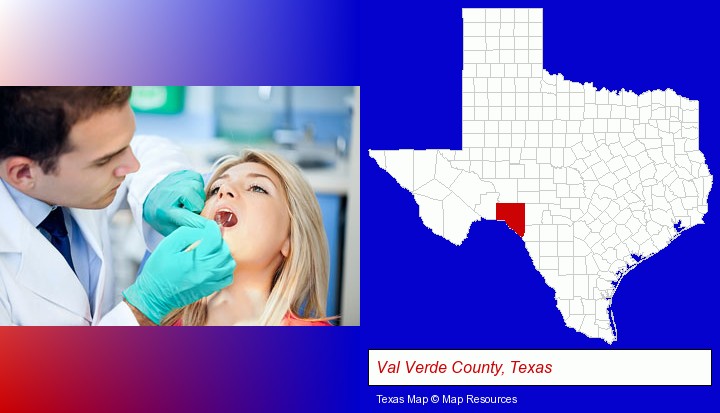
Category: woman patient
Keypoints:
(271, 221)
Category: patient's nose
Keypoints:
(226, 192)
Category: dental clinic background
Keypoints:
(402, 61)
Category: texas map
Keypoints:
(594, 181)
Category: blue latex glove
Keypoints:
(173, 278)
(175, 201)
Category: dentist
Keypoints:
(68, 161)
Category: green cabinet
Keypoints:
(158, 99)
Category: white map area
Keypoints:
(606, 177)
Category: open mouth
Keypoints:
(225, 218)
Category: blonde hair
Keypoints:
(301, 281)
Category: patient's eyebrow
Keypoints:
(249, 175)
(258, 175)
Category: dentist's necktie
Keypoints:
(54, 224)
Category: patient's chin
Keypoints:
(231, 247)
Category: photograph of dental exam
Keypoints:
(179, 206)
(280, 179)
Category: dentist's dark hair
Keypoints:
(35, 121)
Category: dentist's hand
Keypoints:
(175, 202)
(173, 278)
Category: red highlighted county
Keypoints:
(513, 215)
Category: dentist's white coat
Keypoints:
(37, 287)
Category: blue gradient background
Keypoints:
(183, 42)
(418, 290)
